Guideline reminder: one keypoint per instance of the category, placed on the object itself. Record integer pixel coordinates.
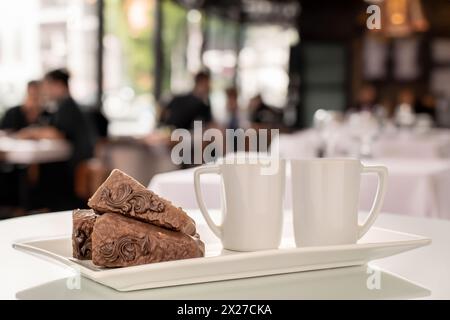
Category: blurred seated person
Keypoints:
(263, 115)
(183, 110)
(67, 122)
(406, 96)
(234, 120)
(29, 114)
(407, 106)
(367, 99)
(426, 105)
(408, 99)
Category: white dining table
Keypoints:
(418, 274)
(434, 144)
(415, 188)
(26, 152)
(410, 144)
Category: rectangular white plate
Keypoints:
(224, 265)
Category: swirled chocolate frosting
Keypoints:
(118, 241)
(123, 195)
(83, 225)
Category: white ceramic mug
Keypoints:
(325, 200)
(252, 205)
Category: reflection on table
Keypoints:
(341, 283)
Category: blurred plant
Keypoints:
(174, 34)
(132, 22)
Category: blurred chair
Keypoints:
(130, 155)
(137, 159)
(89, 176)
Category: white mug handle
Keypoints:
(216, 229)
(382, 173)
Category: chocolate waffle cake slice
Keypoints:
(83, 226)
(118, 241)
(123, 195)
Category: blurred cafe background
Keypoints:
(91, 85)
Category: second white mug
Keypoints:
(325, 200)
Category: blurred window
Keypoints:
(324, 80)
(255, 56)
(39, 35)
(128, 65)
(221, 47)
(264, 63)
(130, 62)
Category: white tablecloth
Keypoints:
(432, 145)
(423, 273)
(418, 188)
(400, 144)
(19, 151)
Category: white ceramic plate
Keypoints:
(224, 265)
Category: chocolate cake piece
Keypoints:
(83, 225)
(122, 194)
(118, 241)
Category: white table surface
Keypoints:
(415, 188)
(19, 151)
(421, 273)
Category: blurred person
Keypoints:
(234, 120)
(67, 122)
(29, 113)
(367, 99)
(183, 110)
(406, 96)
(426, 105)
(263, 115)
(57, 180)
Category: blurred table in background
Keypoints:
(415, 188)
(434, 144)
(26, 152)
(178, 186)
(17, 155)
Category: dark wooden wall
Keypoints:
(344, 23)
